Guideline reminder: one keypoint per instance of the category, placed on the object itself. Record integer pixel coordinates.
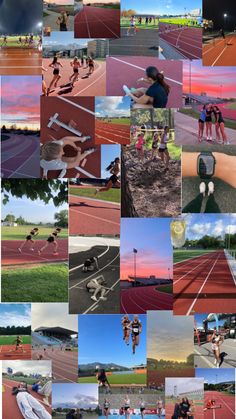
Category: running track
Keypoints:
(220, 53)
(9, 352)
(97, 22)
(126, 70)
(20, 157)
(108, 133)
(93, 85)
(93, 216)
(188, 41)
(12, 256)
(227, 406)
(199, 414)
(9, 404)
(138, 300)
(203, 284)
(64, 364)
(20, 61)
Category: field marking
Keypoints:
(94, 216)
(212, 65)
(204, 358)
(91, 84)
(193, 269)
(99, 256)
(226, 405)
(76, 105)
(194, 257)
(96, 304)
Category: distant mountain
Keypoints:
(109, 366)
(80, 401)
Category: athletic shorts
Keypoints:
(76, 70)
(29, 237)
(114, 179)
(56, 71)
(50, 239)
(200, 120)
(208, 119)
(161, 150)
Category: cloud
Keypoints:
(111, 106)
(199, 229)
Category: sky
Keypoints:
(31, 211)
(215, 81)
(169, 337)
(99, 1)
(112, 106)
(21, 19)
(15, 315)
(214, 225)
(108, 154)
(75, 395)
(21, 101)
(183, 385)
(154, 255)
(161, 7)
(203, 316)
(65, 38)
(29, 367)
(216, 14)
(101, 340)
(213, 376)
(60, 2)
(52, 315)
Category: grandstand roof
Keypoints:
(56, 330)
(203, 99)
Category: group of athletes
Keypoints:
(29, 241)
(126, 410)
(211, 114)
(27, 41)
(133, 328)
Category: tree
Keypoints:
(45, 190)
(62, 218)
(10, 218)
(21, 221)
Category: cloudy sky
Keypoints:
(212, 224)
(52, 315)
(29, 367)
(169, 337)
(183, 384)
(20, 19)
(15, 315)
(112, 106)
(75, 395)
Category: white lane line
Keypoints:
(86, 20)
(91, 84)
(210, 364)
(96, 304)
(99, 256)
(94, 216)
(76, 105)
(212, 65)
(191, 270)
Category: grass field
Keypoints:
(125, 23)
(20, 232)
(112, 195)
(9, 340)
(181, 21)
(121, 379)
(120, 121)
(231, 105)
(180, 255)
(47, 283)
(17, 378)
(229, 123)
(12, 41)
(165, 288)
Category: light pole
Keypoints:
(135, 262)
(225, 19)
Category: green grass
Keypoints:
(120, 121)
(112, 195)
(125, 23)
(9, 340)
(229, 123)
(20, 232)
(27, 380)
(175, 151)
(43, 283)
(180, 255)
(118, 379)
(165, 288)
(231, 105)
(180, 21)
(12, 41)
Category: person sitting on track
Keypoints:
(114, 169)
(29, 239)
(90, 264)
(136, 329)
(91, 65)
(102, 379)
(29, 406)
(51, 240)
(96, 286)
(75, 64)
(44, 389)
(55, 64)
(52, 155)
(156, 95)
(126, 322)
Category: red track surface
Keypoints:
(126, 70)
(93, 85)
(20, 157)
(97, 22)
(20, 61)
(12, 256)
(9, 352)
(64, 364)
(227, 406)
(9, 404)
(201, 285)
(91, 216)
(85, 123)
(108, 133)
(199, 414)
(138, 300)
(220, 53)
(188, 41)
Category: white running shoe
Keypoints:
(202, 188)
(126, 89)
(93, 298)
(217, 365)
(215, 361)
(226, 142)
(210, 188)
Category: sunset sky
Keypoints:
(169, 337)
(154, 255)
(21, 101)
(215, 81)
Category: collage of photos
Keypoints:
(118, 209)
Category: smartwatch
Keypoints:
(206, 165)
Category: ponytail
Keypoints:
(158, 77)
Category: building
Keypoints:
(151, 280)
(98, 48)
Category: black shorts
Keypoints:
(76, 70)
(50, 239)
(29, 237)
(126, 407)
(142, 409)
(114, 179)
(200, 120)
(161, 150)
(208, 119)
(56, 71)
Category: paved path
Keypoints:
(51, 19)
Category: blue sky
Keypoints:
(64, 39)
(29, 367)
(212, 224)
(160, 7)
(112, 106)
(199, 321)
(15, 315)
(32, 211)
(213, 376)
(154, 255)
(101, 340)
(109, 153)
(75, 395)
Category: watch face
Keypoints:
(206, 165)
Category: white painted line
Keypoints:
(76, 105)
(99, 256)
(212, 65)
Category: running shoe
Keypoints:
(226, 143)
(202, 188)
(126, 89)
(94, 298)
(19, 249)
(210, 188)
